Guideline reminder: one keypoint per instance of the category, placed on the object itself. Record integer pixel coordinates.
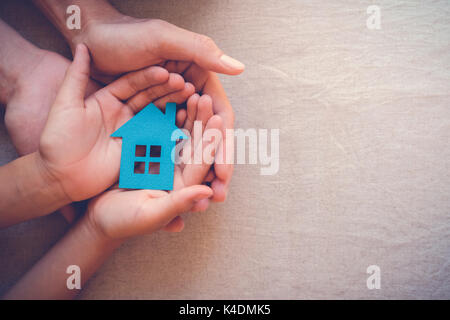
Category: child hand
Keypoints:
(76, 149)
(120, 214)
(199, 112)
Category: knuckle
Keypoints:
(204, 42)
(131, 81)
(149, 95)
(148, 75)
(156, 29)
(157, 24)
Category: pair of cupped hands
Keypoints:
(151, 61)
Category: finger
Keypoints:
(220, 188)
(204, 112)
(130, 84)
(176, 225)
(177, 97)
(91, 87)
(181, 118)
(223, 170)
(193, 74)
(177, 66)
(68, 212)
(174, 83)
(191, 111)
(194, 172)
(221, 104)
(201, 205)
(158, 212)
(76, 79)
(178, 183)
(209, 83)
(179, 44)
(210, 176)
(223, 167)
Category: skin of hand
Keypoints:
(77, 157)
(31, 77)
(29, 81)
(38, 75)
(208, 83)
(198, 110)
(119, 43)
(125, 44)
(170, 52)
(29, 103)
(76, 149)
(111, 218)
(119, 214)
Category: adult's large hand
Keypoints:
(127, 44)
(119, 43)
(131, 43)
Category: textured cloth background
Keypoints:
(364, 119)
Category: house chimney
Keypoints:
(171, 110)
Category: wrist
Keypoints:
(91, 12)
(51, 185)
(96, 233)
(90, 18)
(27, 191)
(17, 57)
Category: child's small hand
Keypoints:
(121, 214)
(76, 149)
(200, 112)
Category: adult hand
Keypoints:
(120, 43)
(125, 43)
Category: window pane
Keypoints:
(153, 167)
(140, 151)
(139, 167)
(155, 151)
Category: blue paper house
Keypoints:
(148, 141)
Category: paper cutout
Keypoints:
(147, 144)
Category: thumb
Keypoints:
(76, 79)
(160, 211)
(180, 44)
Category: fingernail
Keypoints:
(232, 63)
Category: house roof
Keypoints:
(150, 121)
